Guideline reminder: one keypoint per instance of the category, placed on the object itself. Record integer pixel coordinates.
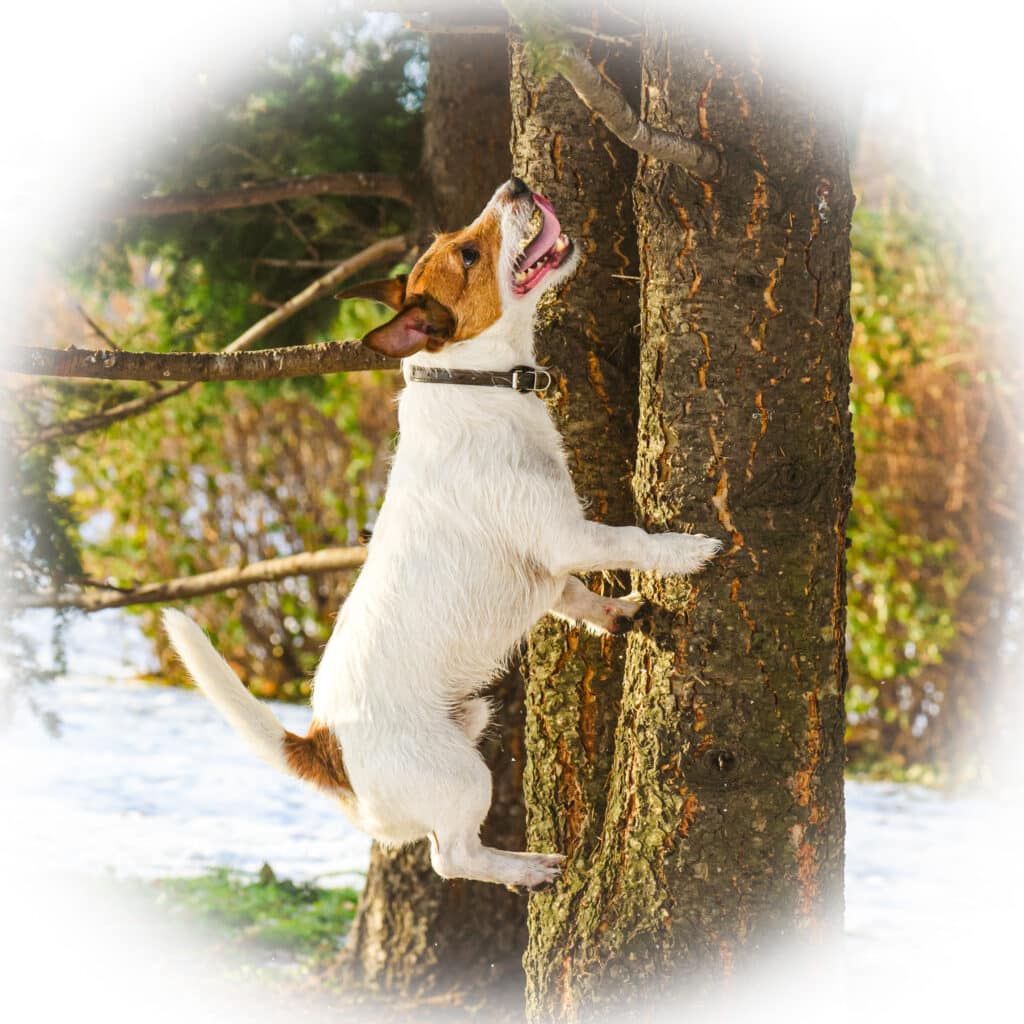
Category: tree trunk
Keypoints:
(724, 825)
(416, 933)
(589, 333)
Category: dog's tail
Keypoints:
(315, 757)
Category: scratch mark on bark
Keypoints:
(720, 501)
(759, 402)
(556, 157)
(690, 807)
(597, 382)
(758, 207)
(702, 371)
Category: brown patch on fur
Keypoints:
(471, 294)
(316, 757)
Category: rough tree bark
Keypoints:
(724, 823)
(590, 334)
(416, 933)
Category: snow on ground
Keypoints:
(150, 781)
(147, 781)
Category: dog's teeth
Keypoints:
(520, 277)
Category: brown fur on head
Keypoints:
(450, 295)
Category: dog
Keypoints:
(480, 534)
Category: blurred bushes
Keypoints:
(935, 534)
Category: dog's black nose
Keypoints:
(518, 187)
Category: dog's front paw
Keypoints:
(537, 871)
(686, 553)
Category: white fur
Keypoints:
(477, 536)
(255, 722)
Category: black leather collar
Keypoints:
(525, 380)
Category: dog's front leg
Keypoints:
(594, 547)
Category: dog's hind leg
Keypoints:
(600, 614)
(462, 855)
(462, 798)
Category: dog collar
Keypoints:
(524, 379)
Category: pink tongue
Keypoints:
(549, 232)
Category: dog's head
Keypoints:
(468, 280)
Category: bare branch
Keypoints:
(388, 247)
(699, 158)
(432, 27)
(266, 364)
(274, 261)
(101, 420)
(322, 286)
(307, 563)
(444, 28)
(294, 228)
(96, 329)
(354, 183)
(600, 36)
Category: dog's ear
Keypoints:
(390, 291)
(423, 321)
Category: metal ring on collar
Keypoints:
(534, 385)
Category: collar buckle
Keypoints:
(531, 379)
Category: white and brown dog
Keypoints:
(479, 535)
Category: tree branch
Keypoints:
(699, 158)
(266, 364)
(321, 286)
(306, 563)
(355, 183)
(273, 261)
(101, 420)
(440, 28)
(431, 27)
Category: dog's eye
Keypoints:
(469, 256)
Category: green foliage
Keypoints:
(904, 588)
(40, 540)
(236, 474)
(921, 398)
(898, 623)
(543, 29)
(271, 913)
(337, 102)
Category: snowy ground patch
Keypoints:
(147, 781)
